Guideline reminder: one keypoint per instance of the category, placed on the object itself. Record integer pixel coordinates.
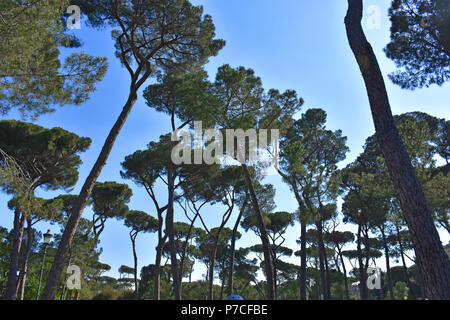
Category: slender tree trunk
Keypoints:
(23, 271)
(171, 233)
(244, 287)
(327, 271)
(323, 276)
(69, 295)
(11, 285)
(429, 251)
(366, 264)
(159, 251)
(275, 278)
(402, 255)
(388, 268)
(302, 236)
(222, 287)
(212, 261)
(157, 279)
(336, 263)
(347, 294)
(233, 250)
(258, 288)
(263, 234)
(72, 224)
(303, 260)
(362, 278)
(136, 284)
(183, 255)
(63, 292)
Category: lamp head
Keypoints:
(47, 237)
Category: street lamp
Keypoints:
(47, 237)
(47, 240)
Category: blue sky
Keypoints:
(291, 44)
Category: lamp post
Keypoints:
(47, 239)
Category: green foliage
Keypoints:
(170, 34)
(309, 156)
(49, 156)
(401, 291)
(243, 103)
(32, 76)
(426, 138)
(170, 40)
(110, 199)
(123, 269)
(339, 238)
(186, 96)
(5, 249)
(140, 221)
(265, 195)
(37, 208)
(420, 42)
(83, 252)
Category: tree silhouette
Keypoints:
(138, 221)
(309, 156)
(339, 240)
(109, 200)
(276, 224)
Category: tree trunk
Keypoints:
(222, 285)
(171, 233)
(63, 292)
(11, 285)
(388, 268)
(362, 278)
(233, 250)
(159, 251)
(212, 260)
(405, 268)
(23, 271)
(183, 255)
(275, 278)
(327, 271)
(263, 234)
(323, 276)
(157, 279)
(136, 284)
(72, 224)
(347, 295)
(428, 248)
(366, 264)
(303, 261)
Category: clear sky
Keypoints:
(291, 44)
